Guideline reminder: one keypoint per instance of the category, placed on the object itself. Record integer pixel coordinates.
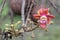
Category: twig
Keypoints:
(1, 8)
(28, 29)
(22, 12)
(53, 5)
(23, 16)
(11, 16)
(28, 5)
(30, 10)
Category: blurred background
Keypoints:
(53, 30)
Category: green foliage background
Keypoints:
(7, 19)
(53, 30)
